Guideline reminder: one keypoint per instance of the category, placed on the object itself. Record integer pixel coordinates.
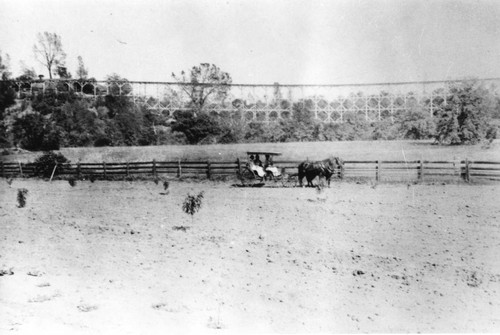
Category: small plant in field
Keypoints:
(9, 181)
(184, 229)
(92, 178)
(72, 181)
(192, 204)
(156, 180)
(165, 187)
(319, 188)
(21, 197)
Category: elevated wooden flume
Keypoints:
(264, 103)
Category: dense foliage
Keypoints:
(7, 98)
(466, 118)
(45, 164)
(65, 119)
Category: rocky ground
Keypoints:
(123, 258)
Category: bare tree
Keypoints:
(48, 51)
(204, 81)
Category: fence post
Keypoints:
(20, 168)
(53, 171)
(154, 168)
(128, 169)
(78, 170)
(179, 168)
(104, 168)
(3, 169)
(341, 171)
(421, 171)
(377, 171)
(239, 166)
(467, 170)
(209, 172)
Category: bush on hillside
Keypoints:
(44, 165)
(416, 124)
(102, 142)
(35, 132)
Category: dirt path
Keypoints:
(102, 258)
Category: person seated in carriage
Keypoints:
(269, 161)
(270, 168)
(257, 160)
(256, 165)
(263, 170)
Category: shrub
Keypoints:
(21, 197)
(255, 132)
(44, 165)
(192, 204)
(384, 130)
(416, 124)
(232, 131)
(72, 182)
(102, 142)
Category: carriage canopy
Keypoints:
(264, 153)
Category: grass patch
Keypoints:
(348, 150)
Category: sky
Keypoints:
(263, 42)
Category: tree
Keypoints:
(118, 85)
(465, 119)
(81, 72)
(48, 51)
(7, 97)
(204, 81)
(4, 67)
(62, 72)
(196, 128)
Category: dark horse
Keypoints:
(325, 168)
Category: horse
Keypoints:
(325, 168)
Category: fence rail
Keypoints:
(377, 170)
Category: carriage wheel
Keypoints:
(247, 177)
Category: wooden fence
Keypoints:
(376, 170)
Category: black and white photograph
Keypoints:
(249, 166)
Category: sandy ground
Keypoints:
(103, 258)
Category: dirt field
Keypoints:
(103, 258)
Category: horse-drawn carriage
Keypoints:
(256, 173)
